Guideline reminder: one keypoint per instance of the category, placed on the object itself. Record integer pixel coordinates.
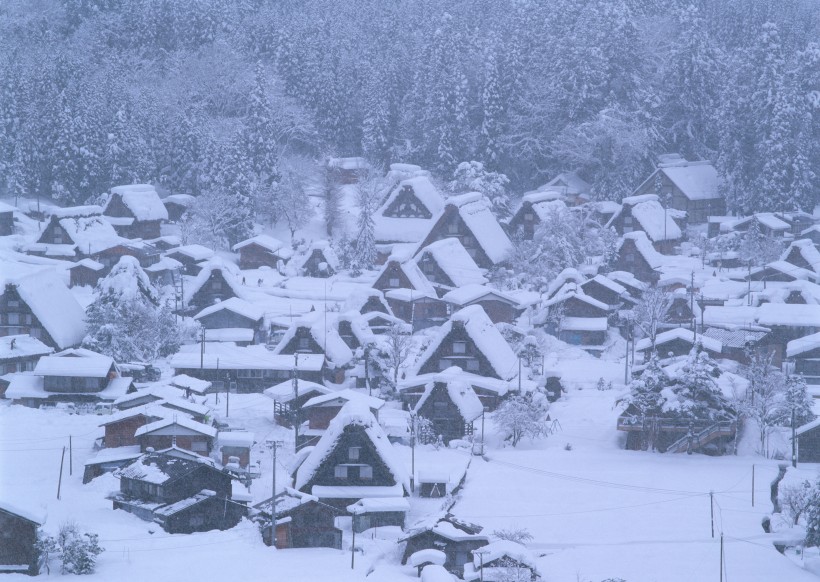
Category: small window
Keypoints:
(472, 365)
(353, 453)
(14, 318)
(217, 284)
(393, 282)
(365, 472)
(459, 347)
(452, 228)
(529, 216)
(13, 303)
(340, 472)
(199, 447)
(303, 343)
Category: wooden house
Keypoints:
(376, 512)
(446, 265)
(767, 223)
(645, 214)
(407, 213)
(177, 204)
(217, 281)
(574, 190)
(577, 318)
(680, 311)
(805, 352)
(812, 233)
(19, 353)
(808, 442)
(605, 290)
(177, 431)
(502, 560)
(534, 209)
(353, 460)
(66, 377)
(74, 237)
(262, 251)
(456, 538)
(121, 427)
(182, 495)
(318, 335)
(692, 187)
(469, 219)
(136, 211)
(108, 460)
(18, 532)
(85, 273)
(499, 306)
(145, 253)
(470, 341)
(301, 522)
(678, 342)
(318, 412)
(190, 257)
(319, 260)
(787, 322)
(166, 271)
(451, 407)
(736, 340)
(367, 301)
(489, 391)
(6, 219)
(289, 397)
(637, 256)
(246, 369)
(802, 253)
(236, 444)
(347, 170)
(247, 319)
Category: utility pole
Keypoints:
(721, 556)
(794, 442)
(353, 542)
(273, 445)
(692, 298)
(753, 485)
(71, 451)
(481, 553)
(712, 510)
(367, 369)
(202, 351)
(626, 354)
(412, 452)
(519, 374)
(60, 481)
(294, 406)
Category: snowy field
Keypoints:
(595, 511)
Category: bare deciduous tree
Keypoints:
(651, 312)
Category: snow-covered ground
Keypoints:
(595, 510)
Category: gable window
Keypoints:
(472, 365)
(366, 472)
(217, 284)
(393, 282)
(199, 447)
(353, 453)
(452, 228)
(303, 343)
(14, 318)
(340, 472)
(529, 216)
(459, 347)
(13, 303)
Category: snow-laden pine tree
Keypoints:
(473, 177)
(798, 399)
(127, 320)
(258, 137)
(646, 392)
(695, 395)
(492, 111)
(365, 254)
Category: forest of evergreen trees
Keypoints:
(213, 95)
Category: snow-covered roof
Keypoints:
(267, 242)
(236, 305)
(193, 384)
(164, 264)
(37, 516)
(455, 261)
(230, 357)
(696, 180)
(802, 345)
(91, 234)
(283, 392)
(572, 292)
(767, 219)
(72, 211)
(90, 367)
(379, 505)
(568, 275)
(411, 270)
(324, 331)
(456, 374)
(179, 421)
(114, 454)
(608, 283)
(182, 199)
(353, 414)
(428, 555)
(128, 282)
(644, 246)
(789, 315)
(195, 252)
(474, 210)
(786, 268)
(142, 200)
(435, 573)
(503, 548)
(471, 293)
(230, 273)
(236, 438)
(424, 191)
(346, 395)
(353, 163)
(584, 324)
(651, 216)
(807, 251)
(461, 394)
(54, 306)
(22, 346)
(88, 264)
(570, 181)
(486, 338)
(680, 333)
(322, 246)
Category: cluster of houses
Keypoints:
(276, 320)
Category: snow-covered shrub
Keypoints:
(77, 551)
(522, 416)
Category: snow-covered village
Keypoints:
(480, 290)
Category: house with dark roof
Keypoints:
(534, 209)
(262, 251)
(410, 294)
(319, 260)
(469, 219)
(183, 495)
(499, 306)
(352, 460)
(455, 537)
(446, 264)
(692, 187)
(646, 214)
(637, 256)
(190, 257)
(407, 213)
(178, 204)
(136, 211)
(217, 281)
(19, 534)
(176, 430)
(470, 341)
(233, 320)
(19, 353)
(451, 407)
(489, 391)
(302, 521)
